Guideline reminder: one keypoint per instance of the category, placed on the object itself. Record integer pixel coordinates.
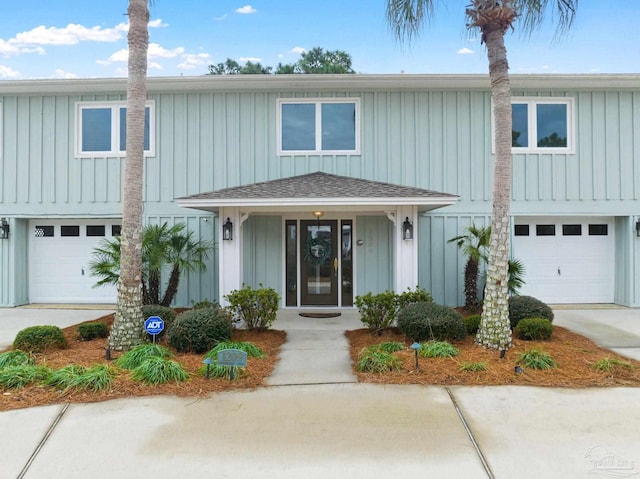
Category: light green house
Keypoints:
(329, 186)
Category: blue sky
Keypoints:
(80, 38)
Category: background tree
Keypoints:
(127, 330)
(492, 18)
(163, 248)
(317, 60)
(473, 245)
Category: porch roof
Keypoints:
(318, 189)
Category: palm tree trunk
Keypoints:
(127, 330)
(172, 286)
(495, 329)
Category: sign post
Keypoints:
(154, 325)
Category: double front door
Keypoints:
(319, 263)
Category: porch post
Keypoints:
(406, 250)
(230, 262)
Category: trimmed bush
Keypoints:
(199, 330)
(256, 308)
(205, 303)
(534, 329)
(472, 323)
(92, 330)
(37, 339)
(168, 315)
(521, 307)
(377, 311)
(430, 321)
(16, 358)
(413, 296)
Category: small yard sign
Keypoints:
(232, 357)
(154, 325)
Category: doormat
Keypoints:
(319, 315)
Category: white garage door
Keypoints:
(59, 256)
(567, 260)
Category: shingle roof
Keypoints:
(321, 186)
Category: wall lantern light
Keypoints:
(4, 229)
(227, 230)
(638, 228)
(407, 230)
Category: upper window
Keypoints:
(542, 125)
(101, 129)
(318, 126)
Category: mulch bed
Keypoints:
(573, 353)
(89, 353)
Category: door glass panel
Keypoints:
(347, 264)
(292, 263)
(319, 263)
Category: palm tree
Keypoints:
(473, 245)
(127, 330)
(163, 247)
(493, 18)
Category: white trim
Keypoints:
(318, 124)
(532, 125)
(115, 107)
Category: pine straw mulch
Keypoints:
(574, 354)
(90, 353)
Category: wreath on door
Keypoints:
(317, 250)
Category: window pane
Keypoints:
(552, 125)
(70, 230)
(338, 126)
(96, 129)
(123, 128)
(519, 129)
(598, 230)
(571, 230)
(95, 230)
(292, 263)
(521, 230)
(298, 126)
(116, 230)
(43, 232)
(545, 230)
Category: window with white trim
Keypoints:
(319, 126)
(101, 129)
(542, 125)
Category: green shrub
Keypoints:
(16, 377)
(430, 321)
(92, 330)
(199, 330)
(472, 367)
(413, 296)
(472, 323)
(257, 308)
(390, 347)
(136, 356)
(522, 307)
(377, 311)
(16, 358)
(609, 364)
(36, 339)
(155, 370)
(251, 349)
(372, 360)
(438, 349)
(536, 359)
(168, 315)
(205, 303)
(534, 329)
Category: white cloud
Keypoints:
(60, 73)
(246, 9)
(194, 60)
(221, 18)
(154, 66)
(72, 34)
(119, 56)
(298, 50)
(545, 67)
(250, 59)
(465, 51)
(158, 23)
(6, 72)
(154, 51)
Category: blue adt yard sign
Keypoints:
(154, 325)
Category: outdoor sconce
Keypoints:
(4, 229)
(637, 228)
(407, 230)
(227, 230)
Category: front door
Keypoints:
(319, 250)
